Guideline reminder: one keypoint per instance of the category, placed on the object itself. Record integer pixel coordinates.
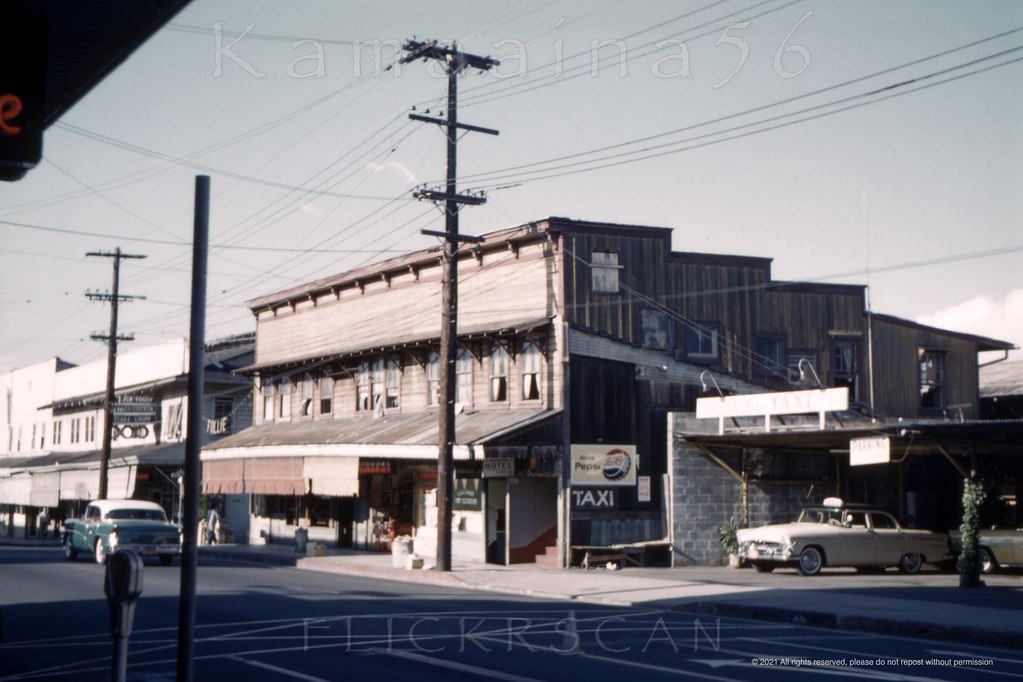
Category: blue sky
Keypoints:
(874, 142)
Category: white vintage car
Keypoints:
(839, 534)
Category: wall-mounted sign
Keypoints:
(468, 494)
(604, 465)
(643, 489)
(135, 409)
(594, 498)
(498, 467)
(375, 466)
(873, 450)
(767, 405)
(23, 59)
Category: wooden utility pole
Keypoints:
(454, 62)
(114, 297)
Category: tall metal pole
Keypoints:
(193, 439)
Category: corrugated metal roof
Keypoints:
(1002, 379)
(418, 428)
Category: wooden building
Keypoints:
(576, 341)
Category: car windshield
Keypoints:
(146, 514)
(821, 515)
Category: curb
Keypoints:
(857, 623)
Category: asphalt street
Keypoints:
(279, 623)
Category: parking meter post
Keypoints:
(123, 587)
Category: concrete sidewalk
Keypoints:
(930, 605)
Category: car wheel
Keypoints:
(761, 567)
(166, 559)
(70, 553)
(100, 551)
(986, 560)
(811, 561)
(911, 563)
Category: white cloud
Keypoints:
(983, 315)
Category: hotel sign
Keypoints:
(767, 405)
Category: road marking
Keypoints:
(460, 667)
(277, 669)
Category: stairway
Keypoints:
(549, 558)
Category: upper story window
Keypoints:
(223, 409)
(268, 399)
(799, 373)
(76, 430)
(932, 378)
(285, 388)
(377, 386)
(306, 406)
(530, 361)
(701, 341)
(769, 356)
(845, 365)
(432, 379)
(393, 383)
(56, 431)
(174, 420)
(463, 377)
(498, 374)
(90, 429)
(326, 394)
(604, 269)
(363, 402)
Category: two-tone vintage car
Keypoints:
(996, 548)
(839, 534)
(110, 525)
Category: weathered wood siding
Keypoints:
(501, 288)
(896, 370)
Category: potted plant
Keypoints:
(968, 563)
(727, 534)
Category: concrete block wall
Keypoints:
(704, 497)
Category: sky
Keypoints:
(878, 142)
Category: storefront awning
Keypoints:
(83, 484)
(16, 489)
(223, 477)
(333, 476)
(275, 476)
(45, 489)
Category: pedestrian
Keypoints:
(44, 523)
(213, 526)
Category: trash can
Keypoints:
(301, 540)
(401, 547)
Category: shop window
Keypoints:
(432, 379)
(498, 374)
(326, 394)
(769, 357)
(285, 388)
(305, 408)
(463, 377)
(362, 388)
(604, 269)
(530, 371)
(393, 383)
(932, 379)
(701, 341)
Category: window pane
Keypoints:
(604, 268)
(326, 394)
(530, 371)
(432, 379)
(393, 382)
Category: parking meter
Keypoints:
(123, 587)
